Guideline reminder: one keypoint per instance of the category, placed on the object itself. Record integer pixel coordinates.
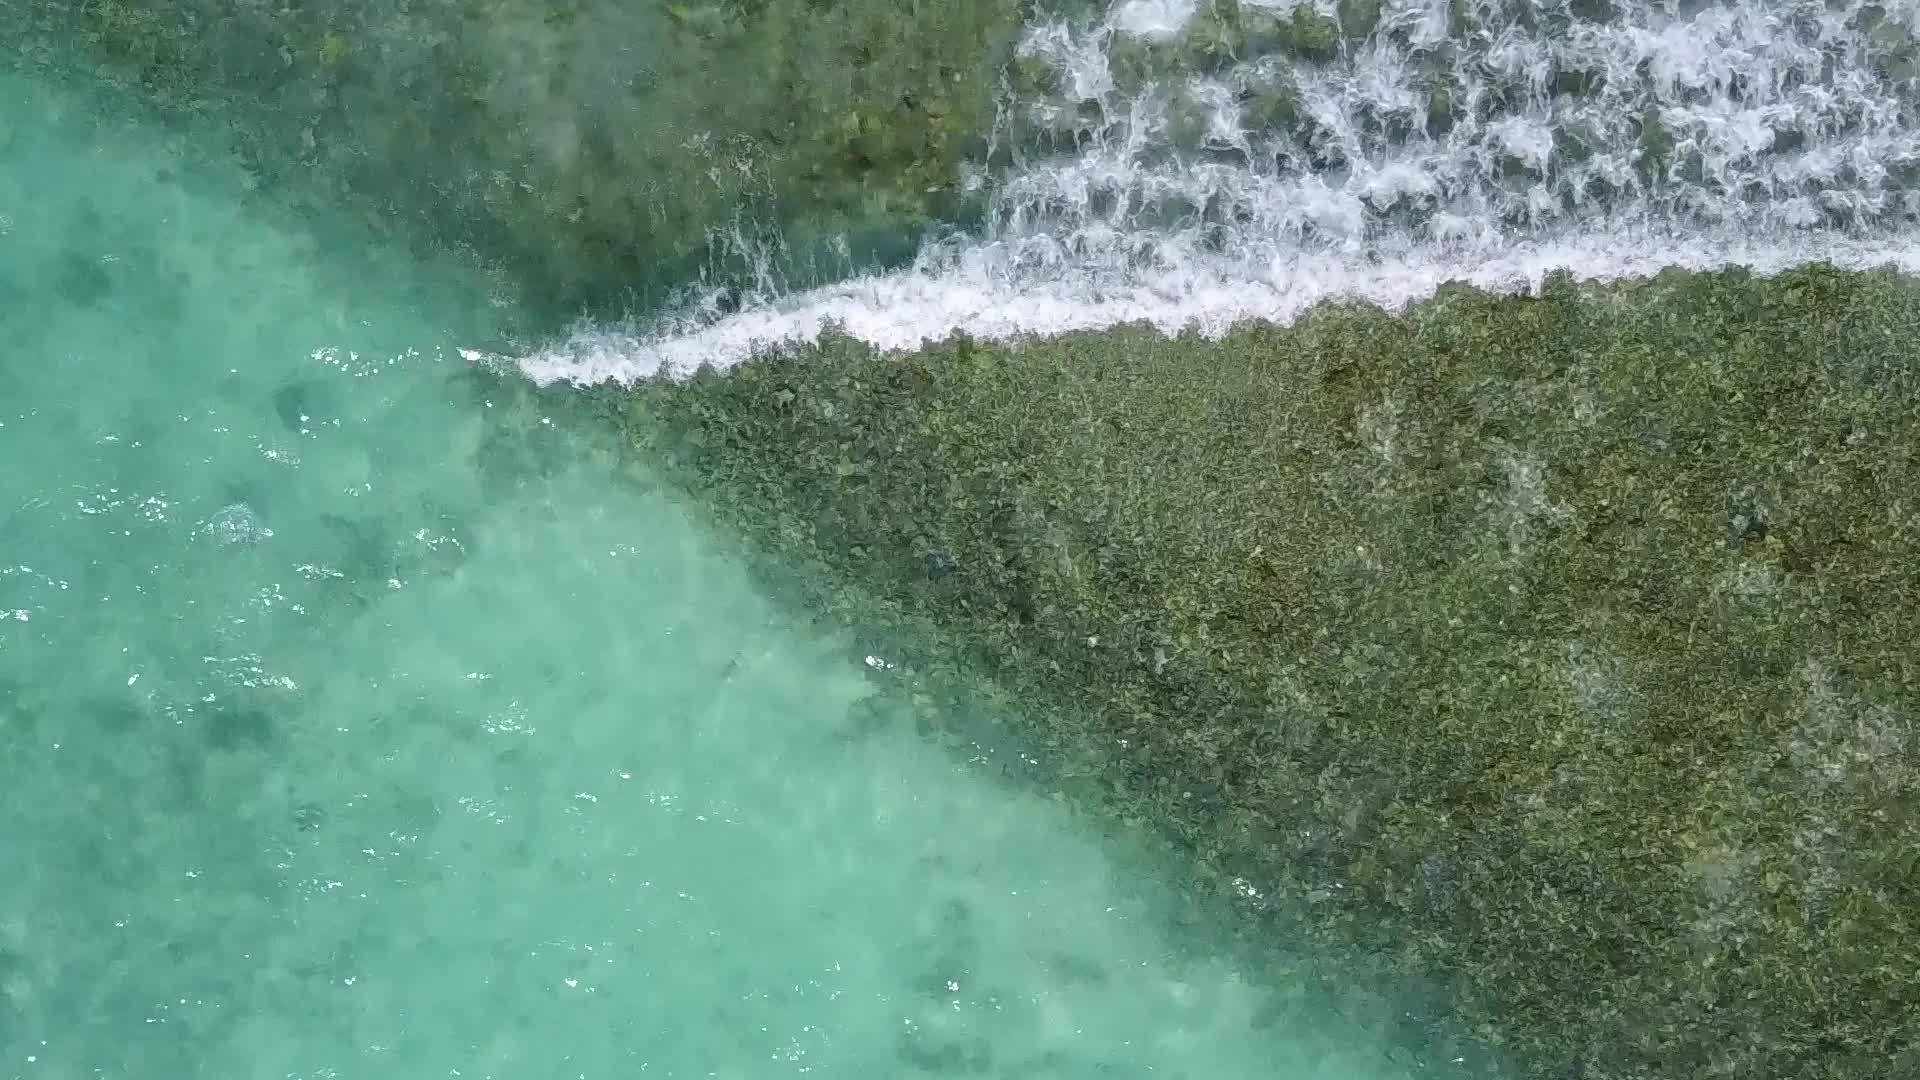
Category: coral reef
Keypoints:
(1556, 650)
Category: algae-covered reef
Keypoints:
(1563, 650)
(591, 148)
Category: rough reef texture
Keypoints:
(1561, 653)
(600, 153)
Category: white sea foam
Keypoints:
(1153, 18)
(1761, 133)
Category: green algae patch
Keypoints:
(594, 150)
(1557, 651)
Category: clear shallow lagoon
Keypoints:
(353, 725)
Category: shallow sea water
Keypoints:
(353, 725)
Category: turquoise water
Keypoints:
(358, 719)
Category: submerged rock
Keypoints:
(236, 523)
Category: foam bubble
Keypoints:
(1152, 18)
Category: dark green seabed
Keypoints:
(1561, 652)
(597, 154)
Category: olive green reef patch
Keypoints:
(1561, 651)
